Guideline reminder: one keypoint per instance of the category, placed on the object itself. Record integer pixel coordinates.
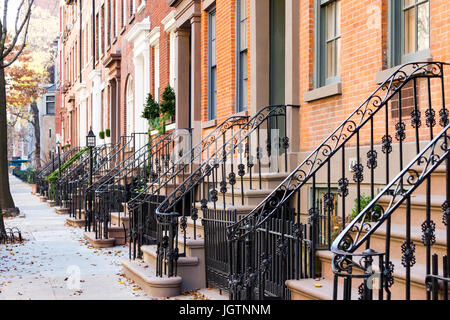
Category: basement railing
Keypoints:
(263, 257)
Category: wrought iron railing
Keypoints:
(354, 259)
(64, 186)
(129, 179)
(104, 167)
(186, 159)
(371, 129)
(215, 183)
(51, 166)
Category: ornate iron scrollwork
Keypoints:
(372, 159)
(430, 116)
(400, 129)
(415, 118)
(408, 250)
(358, 170)
(343, 187)
(428, 237)
(386, 144)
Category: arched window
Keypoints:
(130, 105)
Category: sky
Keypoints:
(12, 12)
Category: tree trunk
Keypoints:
(6, 200)
(37, 136)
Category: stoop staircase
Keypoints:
(103, 168)
(51, 166)
(365, 215)
(236, 166)
(107, 221)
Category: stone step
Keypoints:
(250, 197)
(51, 203)
(378, 242)
(99, 243)
(199, 229)
(398, 289)
(418, 210)
(120, 219)
(191, 268)
(312, 289)
(241, 210)
(437, 181)
(118, 233)
(145, 276)
(78, 223)
(268, 180)
(61, 210)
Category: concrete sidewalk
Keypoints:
(55, 262)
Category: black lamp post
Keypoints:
(90, 142)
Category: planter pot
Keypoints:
(33, 188)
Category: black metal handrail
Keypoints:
(359, 231)
(134, 172)
(104, 166)
(142, 207)
(219, 169)
(356, 133)
(65, 184)
(41, 183)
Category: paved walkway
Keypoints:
(54, 257)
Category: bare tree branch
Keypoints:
(25, 23)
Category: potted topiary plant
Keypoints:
(167, 105)
(101, 135)
(108, 133)
(151, 113)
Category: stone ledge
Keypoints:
(146, 279)
(61, 210)
(51, 203)
(323, 92)
(78, 223)
(99, 243)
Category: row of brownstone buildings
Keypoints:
(235, 56)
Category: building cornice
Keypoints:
(138, 30)
(169, 22)
(153, 36)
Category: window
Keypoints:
(242, 60)
(132, 7)
(328, 42)
(409, 31)
(50, 104)
(103, 29)
(122, 14)
(156, 72)
(172, 63)
(110, 23)
(212, 70)
(97, 39)
(129, 105)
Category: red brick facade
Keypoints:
(364, 54)
(114, 65)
